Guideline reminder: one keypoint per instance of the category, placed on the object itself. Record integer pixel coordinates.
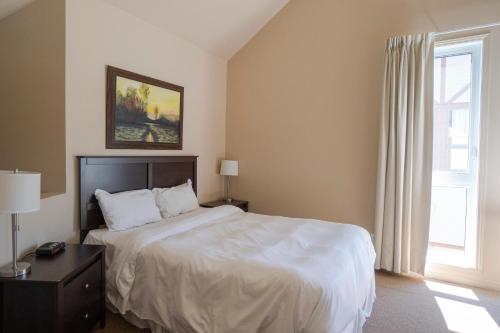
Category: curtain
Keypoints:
(405, 155)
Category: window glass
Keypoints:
(457, 91)
(452, 93)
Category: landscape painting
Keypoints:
(142, 112)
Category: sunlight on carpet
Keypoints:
(449, 289)
(462, 317)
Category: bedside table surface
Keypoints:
(221, 202)
(60, 266)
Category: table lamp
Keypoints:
(19, 193)
(228, 169)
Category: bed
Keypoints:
(223, 270)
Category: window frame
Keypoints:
(477, 47)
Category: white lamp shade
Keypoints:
(19, 192)
(229, 168)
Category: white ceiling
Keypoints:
(8, 7)
(220, 26)
(224, 26)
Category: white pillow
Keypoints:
(176, 200)
(125, 210)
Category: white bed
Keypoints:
(223, 270)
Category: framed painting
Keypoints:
(142, 112)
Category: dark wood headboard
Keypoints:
(126, 173)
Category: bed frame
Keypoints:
(126, 173)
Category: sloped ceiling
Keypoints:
(220, 26)
(224, 26)
(8, 7)
(458, 14)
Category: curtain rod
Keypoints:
(486, 26)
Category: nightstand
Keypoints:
(238, 203)
(62, 293)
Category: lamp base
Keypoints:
(22, 269)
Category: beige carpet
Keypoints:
(407, 305)
(418, 306)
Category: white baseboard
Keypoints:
(472, 278)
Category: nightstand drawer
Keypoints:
(83, 320)
(82, 297)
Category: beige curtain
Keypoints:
(405, 155)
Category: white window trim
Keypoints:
(466, 274)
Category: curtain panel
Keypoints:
(405, 155)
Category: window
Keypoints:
(457, 92)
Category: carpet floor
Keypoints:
(408, 305)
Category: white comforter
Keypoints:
(223, 270)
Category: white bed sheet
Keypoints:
(223, 270)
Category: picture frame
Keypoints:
(142, 112)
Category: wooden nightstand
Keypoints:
(62, 293)
(238, 203)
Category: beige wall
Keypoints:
(304, 100)
(98, 34)
(32, 55)
(303, 108)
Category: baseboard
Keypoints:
(472, 278)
